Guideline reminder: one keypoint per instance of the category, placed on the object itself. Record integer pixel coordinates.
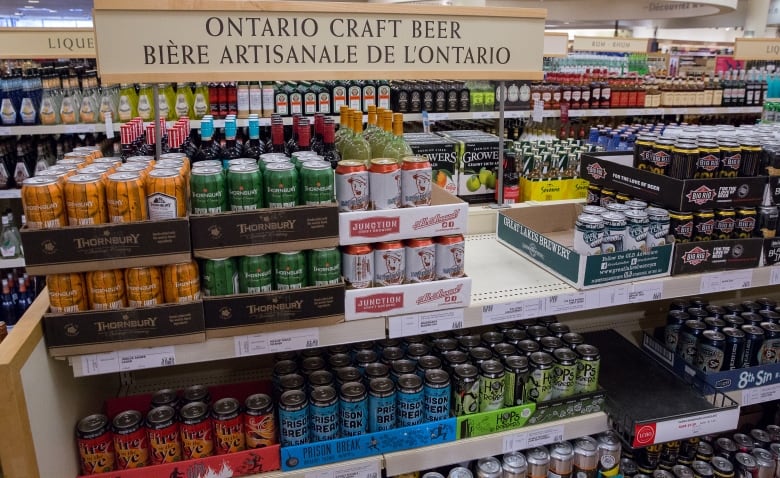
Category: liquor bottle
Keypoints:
(242, 100)
(42, 162)
(24, 300)
(200, 103)
(355, 95)
(255, 98)
(383, 135)
(356, 147)
(383, 94)
(338, 95)
(281, 99)
(303, 137)
(269, 99)
(415, 97)
(511, 180)
(345, 130)
(10, 244)
(207, 150)
(369, 95)
(293, 141)
(7, 307)
(316, 140)
(309, 94)
(329, 152)
(254, 147)
(400, 96)
(428, 97)
(277, 136)
(464, 105)
(230, 150)
(15, 233)
(371, 125)
(231, 99)
(397, 148)
(21, 172)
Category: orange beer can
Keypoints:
(106, 289)
(144, 286)
(43, 201)
(166, 194)
(85, 200)
(181, 282)
(67, 293)
(126, 197)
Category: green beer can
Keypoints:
(244, 183)
(300, 157)
(317, 183)
(324, 266)
(219, 277)
(238, 161)
(539, 386)
(255, 274)
(290, 270)
(588, 365)
(208, 163)
(491, 386)
(208, 194)
(281, 185)
(564, 373)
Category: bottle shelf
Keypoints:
(10, 193)
(11, 263)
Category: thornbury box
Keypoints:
(101, 331)
(264, 231)
(616, 171)
(443, 155)
(239, 314)
(106, 246)
(707, 256)
(446, 215)
(408, 298)
(545, 235)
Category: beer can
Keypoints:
(637, 225)
(244, 187)
(457, 472)
(443, 346)
(426, 363)
(643, 151)
(144, 286)
(561, 460)
(208, 190)
(558, 329)
(402, 367)
(745, 465)
(420, 260)
(588, 234)
(416, 181)
(751, 156)
(228, 423)
(181, 282)
(690, 332)
(661, 158)
(358, 266)
(85, 200)
(290, 270)
(770, 347)
(165, 396)
(317, 183)
(674, 321)
(585, 459)
(450, 256)
(437, 392)
(220, 277)
(126, 198)
(465, 389)
(67, 292)
(538, 460)
(480, 354)
(564, 373)
(515, 377)
(491, 385)
(648, 458)
(721, 467)
(730, 158)
(754, 338)
(259, 421)
(166, 194)
(95, 444)
(606, 197)
(352, 186)
(765, 463)
(491, 337)
(281, 186)
(687, 453)
(384, 177)
(608, 451)
(503, 350)
(514, 465)
(684, 158)
(767, 221)
(528, 346)
(710, 349)
(410, 401)
(376, 370)
(131, 445)
(594, 210)
(751, 306)
(746, 223)
(381, 405)
(658, 227)
(751, 318)
(703, 469)
(43, 202)
(163, 433)
(628, 467)
(708, 162)
(347, 374)
(614, 232)
(324, 266)
(364, 358)
(725, 447)
(106, 289)
(514, 336)
(293, 410)
(389, 263)
(540, 379)
(766, 304)
(197, 434)
(635, 204)
(324, 414)
(255, 274)
(573, 339)
(620, 207)
(681, 226)
(715, 324)
(761, 438)
(588, 365)
(488, 467)
(594, 195)
(196, 393)
(311, 365)
(391, 354)
(353, 409)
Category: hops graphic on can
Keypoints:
(85, 200)
(416, 180)
(420, 260)
(389, 263)
(352, 186)
(43, 200)
(106, 289)
(144, 286)
(450, 256)
(166, 194)
(67, 293)
(357, 265)
(126, 198)
(384, 178)
(181, 282)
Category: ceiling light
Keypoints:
(18, 13)
(74, 10)
(28, 6)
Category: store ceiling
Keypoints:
(49, 9)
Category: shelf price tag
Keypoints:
(525, 440)
(98, 364)
(752, 396)
(76, 128)
(538, 111)
(514, 114)
(686, 427)
(611, 296)
(139, 359)
(565, 303)
(725, 281)
(438, 116)
(425, 323)
(646, 292)
(5, 131)
(364, 470)
(774, 276)
(516, 310)
(484, 114)
(273, 342)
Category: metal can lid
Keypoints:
(558, 328)
(291, 381)
(770, 315)
(323, 394)
(594, 210)
(763, 457)
(587, 352)
(127, 419)
(636, 215)
(465, 370)
(515, 460)
(770, 327)
(409, 381)
(377, 369)
(429, 362)
(584, 447)
(713, 336)
(721, 465)
(226, 406)
(590, 219)
(573, 338)
(293, 398)
(713, 322)
(381, 385)
(550, 343)
(517, 362)
(392, 353)
(616, 207)
(275, 167)
(165, 396)
(564, 356)
(609, 441)
(436, 377)
(489, 465)
(282, 367)
(365, 356)
(161, 414)
(528, 346)
(258, 402)
(561, 450)
(540, 359)
(492, 366)
(433, 474)
(320, 378)
(92, 423)
(538, 456)
(195, 393)
(193, 411)
(455, 357)
(445, 345)
(492, 337)
(733, 333)
(726, 444)
(470, 341)
(752, 330)
(460, 472)
(751, 316)
(760, 435)
(504, 349)
(745, 460)
(662, 474)
(354, 390)
(515, 335)
(682, 471)
(627, 466)
(417, 350)
(313, 363)
(404, 366)
(480, 353)
(695, 325)
(348, 374)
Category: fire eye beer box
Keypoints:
(478, 158)
(442, 153)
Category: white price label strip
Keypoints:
(726, 281)
(438, 116)
(646, 292)
(5, 131)
(526, 440)
(484, 114)
(611, 296)
(128, 360)
(365, 470)
(521, 309)
(273, 342)
(752, 396)
(698, 425)
(774, 276)
(426, 323)
(565, 303)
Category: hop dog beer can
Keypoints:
(539, 386)
(588, 365)
(130, 443)
(324, 414)
(416, 181)
(450, 256)
(163, 433)
(420, 260)
(197, 434)
(384, 177)
(564, 373)
(491, 386)
(381, 405)
(43, 201)
(352, 186)
(144, 286)
(465, 390)
(95, 444)
(389, 263)
(67, 293)
(181, 282)
(358, 266)
(293, 418)
(106, 289)
(353, 410)
(259, 421)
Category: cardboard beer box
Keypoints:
(478, 158)
(443, 155)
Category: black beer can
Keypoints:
(746, 222)
(734, 350)
(767, 221)
(681, 226)
(703, 225)
(754, 338)
(725, 222)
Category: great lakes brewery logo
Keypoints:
(701, 195)
(375, 226)
(379, 302)
(696, 256)
(596, 171)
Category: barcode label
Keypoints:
(425, 323)
(659, 350)
(530, 439)
(128, 360)
(273, 342)
(774, 276)
(646, 292)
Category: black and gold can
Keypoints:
(662, 156)
(708, 162)
(684, 158)
(643, 151)
(681, 226)
(725, 222)
(594, 195)
(703, 225)
(747, 218)
(752, 155)
(767, 221)
(622, 198)
(606, 197)
(730, 158)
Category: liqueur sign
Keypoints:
(174, 40)
(627, 45)
(556, 44)
(757, 49)
(40, 43)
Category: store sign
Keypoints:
(556, 44)
(757, 49)
(214, 40)
(627, 45)
(40, 43)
